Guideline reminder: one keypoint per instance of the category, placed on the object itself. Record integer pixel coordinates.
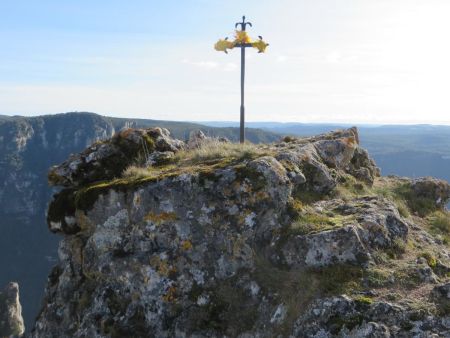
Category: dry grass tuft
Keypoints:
(211, 154)
(215, 150)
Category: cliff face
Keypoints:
(300, 238)
(28, 146)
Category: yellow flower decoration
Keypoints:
(223, 44)
(260, 45)
(242, 37)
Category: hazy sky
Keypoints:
(343, 60)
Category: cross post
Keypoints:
(243, 41)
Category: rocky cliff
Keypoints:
(28, 147)
(300, 238)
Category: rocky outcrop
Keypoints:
(372, 223)
(11, 321)
(257, 246)
(432, 189)
(108, 159)
(344, 317)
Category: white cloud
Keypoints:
(202, 64)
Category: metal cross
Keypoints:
(243, 43)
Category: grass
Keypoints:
(406, 200)
(216, 150)
(440, 224)
(397, 249)
(430, 258)
(212, 153)
(349, 188)
(308, 221)
(418, 204)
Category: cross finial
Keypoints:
(243, 24)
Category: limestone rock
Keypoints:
(345, 317)
(362, 166)
(433, 189)
(11, 321)
(159, 158)
(197, 138)
(375, 224)
(441, 295)
(108, 159)
(213, 250)
(325, 248)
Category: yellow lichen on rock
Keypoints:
(186, 245)
(160, 218)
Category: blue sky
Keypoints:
(328, 60)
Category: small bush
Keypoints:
(288, 139)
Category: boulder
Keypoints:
(197, 138)
(432, 189)
(325, 248)
(441, 296)
(374, 224)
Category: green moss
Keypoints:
(312, 222)
(430, 258)
(363, 300)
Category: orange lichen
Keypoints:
(170, 296)
(160, 218)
